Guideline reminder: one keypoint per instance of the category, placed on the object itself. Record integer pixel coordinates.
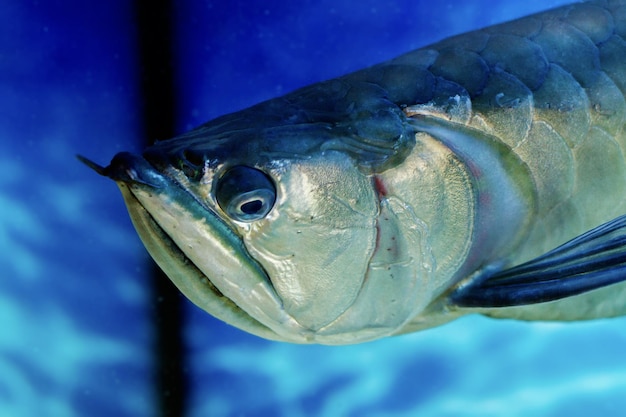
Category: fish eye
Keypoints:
(245, 194)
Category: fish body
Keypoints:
(402, 196)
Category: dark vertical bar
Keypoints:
(154, 20)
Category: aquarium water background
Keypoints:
(76, 309)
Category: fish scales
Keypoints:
(559, 113)
(402, 196)
(552, 88)
(564, 116)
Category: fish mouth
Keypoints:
(198, 251)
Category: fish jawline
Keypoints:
(188, 278)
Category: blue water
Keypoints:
(75, 307)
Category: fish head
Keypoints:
(282, 226)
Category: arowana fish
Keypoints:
(444, 182)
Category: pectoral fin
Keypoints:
(590, 261)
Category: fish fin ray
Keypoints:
(590, 261)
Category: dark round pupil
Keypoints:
(245, 193)
(252, 207)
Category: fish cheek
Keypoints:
(399, 278)
(316, 244)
